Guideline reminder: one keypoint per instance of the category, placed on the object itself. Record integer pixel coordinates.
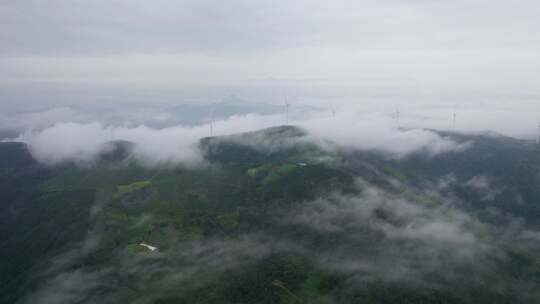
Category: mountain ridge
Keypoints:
(269, 213)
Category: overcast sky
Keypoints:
(478, 55)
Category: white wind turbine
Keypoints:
(287, 105)
(454, 118)
(211, 125)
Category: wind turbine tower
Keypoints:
(397, 116)
(454, 120)
(287, 105)
(211, 122)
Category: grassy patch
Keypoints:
(125, 189)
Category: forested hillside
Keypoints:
(271, 217)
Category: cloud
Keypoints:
(67, 142)
(82, 142)
(147, 277)
(479, 182)
(395, 217)
(482, 185)
(378, 132)
(379, 236)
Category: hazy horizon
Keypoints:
(377, 55)
(163, 65)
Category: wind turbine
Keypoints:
(454, 115)
(397, 116)
(287, 105)
(211, 122)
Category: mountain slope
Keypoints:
(274, 218)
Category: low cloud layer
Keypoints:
(398, 233)
(82, 142)
(378, 132)
(79, 142)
